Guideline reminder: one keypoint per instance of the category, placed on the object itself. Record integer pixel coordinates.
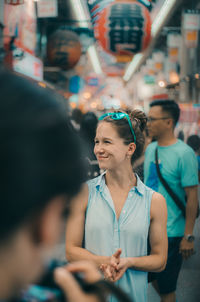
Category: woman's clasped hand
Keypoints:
(117, 267)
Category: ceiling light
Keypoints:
(161, 16)
(81, 12)
(94, 59)
(132, 66)
(87, 95)
(162, 83)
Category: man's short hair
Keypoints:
(169, 106)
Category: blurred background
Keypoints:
(108, 54)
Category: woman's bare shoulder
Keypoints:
(158, 205)
(79, 202)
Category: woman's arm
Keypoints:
(157, 259)
(75, 231)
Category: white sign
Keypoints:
(27, 64)
(47, 8)
(191, 21)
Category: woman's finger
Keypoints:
(117, 253)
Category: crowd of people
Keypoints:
(121, 232)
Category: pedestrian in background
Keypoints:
(194, 142)
(87, 133)
(178, 166)
(114, 214)
(138, 166)
(76, 117)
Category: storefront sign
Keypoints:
(14, 2)
(28, 65)
(191, 25)
(20, 22)
(47, 8)
(173, 44)
(92, 81)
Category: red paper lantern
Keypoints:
(124, 28)
(14, 2)
(63, 49)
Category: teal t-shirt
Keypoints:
(178, 165)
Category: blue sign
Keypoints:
(76, 84)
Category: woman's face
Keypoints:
(109, 149)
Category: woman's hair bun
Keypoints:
(140, 118)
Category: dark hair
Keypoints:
(77, 115)
(181, 135)
(88, 126)
(194, 142)
(87, 133)
(169, 106)
(138, 120)
(39, 152)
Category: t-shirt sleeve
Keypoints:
(189, 168)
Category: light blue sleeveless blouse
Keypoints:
(104, 234)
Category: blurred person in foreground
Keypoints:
(40, 172)
(115, 212)
(178, 166)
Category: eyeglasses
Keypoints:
(152, 119)
(119, 116)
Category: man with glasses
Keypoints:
(178, 166)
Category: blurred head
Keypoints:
(194, 142)
(88, 126)
(120, 136)
(163, 117)
(40, 172)
(181, 135)
(77, 115)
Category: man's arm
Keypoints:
(72, 290)
(186, 247)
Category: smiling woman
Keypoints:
(115, 212)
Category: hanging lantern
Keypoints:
(96, 7)
(63, 49)
(124, 28)
(147, 3)
(14, 2)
